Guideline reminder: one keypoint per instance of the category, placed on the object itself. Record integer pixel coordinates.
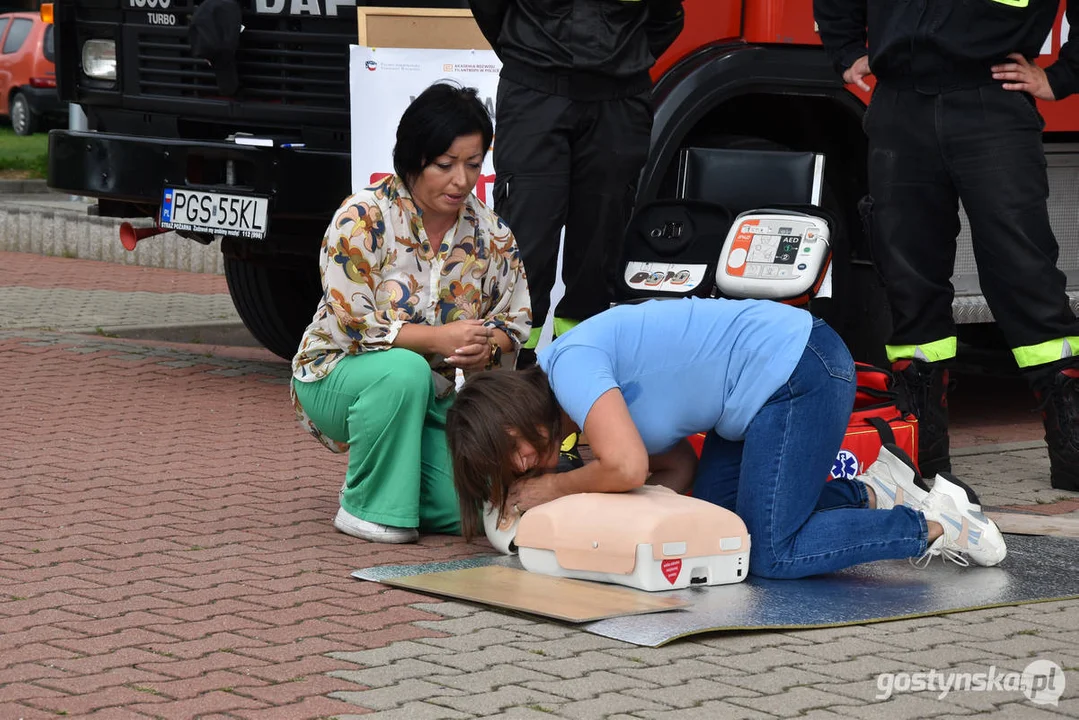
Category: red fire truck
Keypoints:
(743, 73)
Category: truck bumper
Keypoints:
(301, 184)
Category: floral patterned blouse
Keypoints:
(380, 271)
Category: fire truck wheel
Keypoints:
(275, 301)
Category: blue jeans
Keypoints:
(776, 478)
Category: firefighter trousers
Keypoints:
(981, 146)
(573, 163)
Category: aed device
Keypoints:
(774, 255)
(650, 538)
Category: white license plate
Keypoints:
(236, 215)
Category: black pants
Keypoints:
(574, 163)
(983, 146)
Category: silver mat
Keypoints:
(1037, 569)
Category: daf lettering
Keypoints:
(329, 8)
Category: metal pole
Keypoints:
(76, 118)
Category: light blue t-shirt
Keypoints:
(683, 366)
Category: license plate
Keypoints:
(217, 213)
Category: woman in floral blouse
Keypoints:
(420, 279)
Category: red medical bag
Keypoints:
(875, 420)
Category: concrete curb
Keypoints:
(998, 448)
(224, 332)
(24, 187)
(61, 228)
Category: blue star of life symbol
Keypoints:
(845, 465)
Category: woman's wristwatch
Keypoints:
(495, 358)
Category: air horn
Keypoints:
(130, 235)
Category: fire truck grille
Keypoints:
(284, 68)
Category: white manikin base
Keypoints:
(648, 573)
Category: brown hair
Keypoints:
(491, 411)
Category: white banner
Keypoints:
(383, 81)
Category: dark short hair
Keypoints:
(438, 116)
(478, 425)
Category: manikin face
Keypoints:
(441, 188)
(527, 458)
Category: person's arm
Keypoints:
(460, 337)
(841, 24)
(620, 464)
(1063, 75)
(675, 468)
(1056, 82)
(489, 15)
(665, 21)
(353, 268)
(507, 307)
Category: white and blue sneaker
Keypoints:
(972, 497)
(969, 536)
(895, 480)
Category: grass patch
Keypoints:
(26, 156)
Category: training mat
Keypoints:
(1037, 569)
(554, 597)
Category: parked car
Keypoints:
(27, 74)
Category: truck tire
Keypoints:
(275, 301)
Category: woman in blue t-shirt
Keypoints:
(771, 386)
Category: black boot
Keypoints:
(923, 392)
(1059, 397)
(526, 358)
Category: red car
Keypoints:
(27, 73)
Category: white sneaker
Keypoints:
(894, 480)
(972, 497)
(968, 534)
(349, 524)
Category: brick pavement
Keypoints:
(166, 551)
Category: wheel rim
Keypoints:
(18, 115)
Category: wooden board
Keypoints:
(437, 28)
(575, 601)
(1029, 524)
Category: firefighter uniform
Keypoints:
(573, 121)
(942, 130)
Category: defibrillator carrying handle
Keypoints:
(672, 233)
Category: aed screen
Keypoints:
(788, 249)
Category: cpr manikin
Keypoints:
(650, 538)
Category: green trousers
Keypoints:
(383, 405)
